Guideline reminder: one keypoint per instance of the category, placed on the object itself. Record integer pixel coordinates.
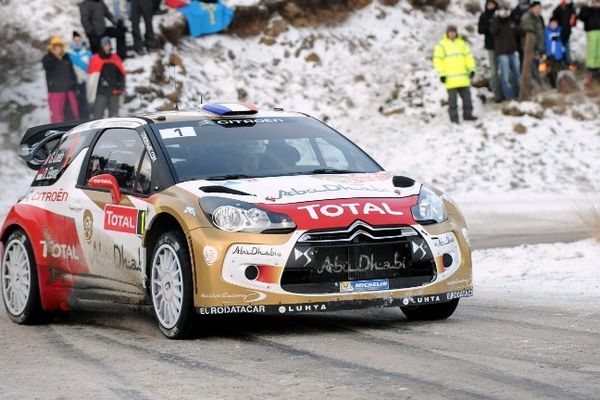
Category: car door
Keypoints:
(111, 232)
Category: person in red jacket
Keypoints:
(107, 81)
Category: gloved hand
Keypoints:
(443, 79)
(554, 38)
(472, 74)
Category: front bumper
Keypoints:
(221, 286)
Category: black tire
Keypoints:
(430, 312)
(173, 242)
(32, 313)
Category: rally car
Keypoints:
(224, 210)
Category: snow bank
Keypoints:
(558, 273)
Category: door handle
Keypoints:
(75, 205)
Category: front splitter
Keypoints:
(335, 305)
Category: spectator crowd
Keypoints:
(86, 81)
(505, 33)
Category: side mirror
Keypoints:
(107, 181)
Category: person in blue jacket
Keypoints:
(555, 50)
(80, 57)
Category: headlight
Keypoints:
(430, 208)
(238, 216)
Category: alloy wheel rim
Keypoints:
(167, 286)
(16, 277)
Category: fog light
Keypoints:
(251, 272)
(448, 260)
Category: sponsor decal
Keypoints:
(412, 301)
(58, 195)
(445, 240)
(249, 297)
(459, 294)
(88, 225)
(184, 131)
(302, 308)
(249, 121)
(359, 178)
(292, 192)
(123, 261)
(190, 210)
(318, 211)
(149, 147)
(124, 219)
(57, 250)
(56, 157)
(255, 251)
(366, 262)
(210, 255)
(364, 286)
(231, 310)
(50, 173)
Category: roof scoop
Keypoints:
(230, 109)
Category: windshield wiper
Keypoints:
(228, 177)
(333, 171)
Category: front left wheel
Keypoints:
(430, 312)
(19, 280)
(171, 285)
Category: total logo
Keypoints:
(57, 250)
(317, 211)
(124, 219)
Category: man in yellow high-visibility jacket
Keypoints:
(455, 65)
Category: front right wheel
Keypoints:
(171, 285)
(430, 312)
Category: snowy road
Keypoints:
(490, 349)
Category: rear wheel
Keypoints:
(19, 280)
(430, 312)
(171, 285)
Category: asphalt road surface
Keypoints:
(492, 348)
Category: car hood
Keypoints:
(303, 188)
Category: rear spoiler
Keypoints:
(39, 141)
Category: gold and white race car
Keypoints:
(224, 210)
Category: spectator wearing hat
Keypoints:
(94, 14)
(61, 81)
(145, 10)
(566, 16)
(107, 81)
(590, 15)
(80, 57)
(454, 63)
(506, 45)
(483, 27)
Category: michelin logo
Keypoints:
(364, 286)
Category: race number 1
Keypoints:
(177, 132)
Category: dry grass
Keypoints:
(589, 214)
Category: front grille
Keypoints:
(321, 260)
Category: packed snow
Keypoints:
(563, 273)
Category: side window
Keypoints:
(59, 159)
(334, 158)
(121, 153)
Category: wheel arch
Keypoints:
(165, 222)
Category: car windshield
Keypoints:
(223, 149)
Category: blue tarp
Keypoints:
(206, 18)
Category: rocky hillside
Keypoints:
(364, 67)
